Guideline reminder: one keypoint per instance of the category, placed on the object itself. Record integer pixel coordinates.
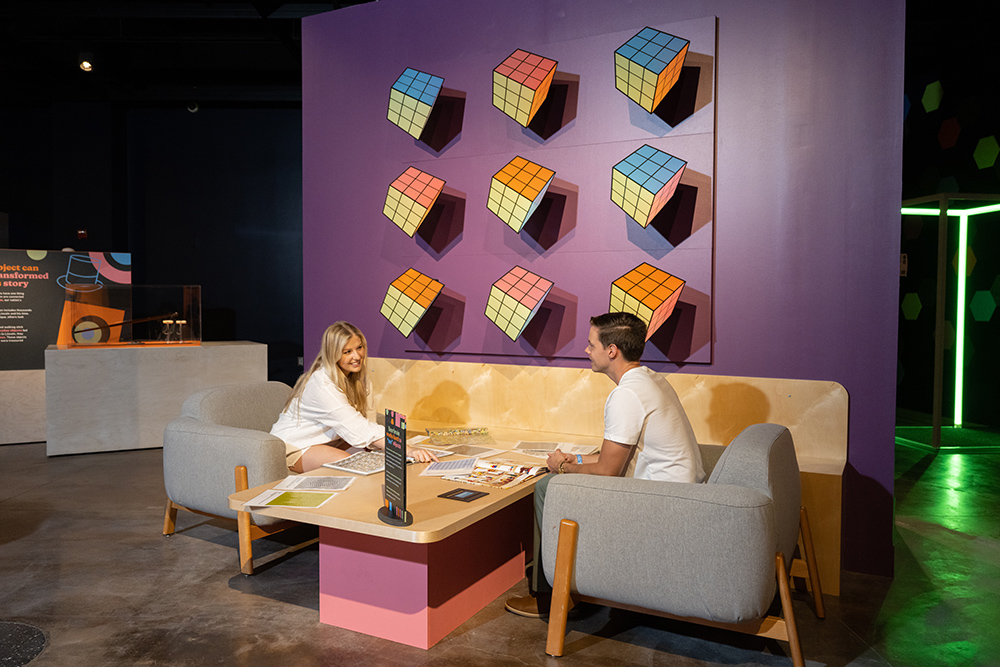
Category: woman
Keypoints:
(327, 411)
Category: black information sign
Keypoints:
(394, 511)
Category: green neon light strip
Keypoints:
(963, 244)
(963, 256)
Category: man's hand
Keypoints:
(557, 457)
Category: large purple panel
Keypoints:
(805, 225)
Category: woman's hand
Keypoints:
(421, 455)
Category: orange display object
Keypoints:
(410, 199)
(408, 298)
(647, 292)
(517, 190)
(521, 83)
(88, 324)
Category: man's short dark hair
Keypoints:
(624, 330)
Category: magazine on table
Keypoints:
(313, 483)
(541, 450)
(280, 498)
(499, 473)
(367, 463)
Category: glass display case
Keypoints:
(96, 315)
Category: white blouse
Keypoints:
(323, 414)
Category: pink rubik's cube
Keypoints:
(520, 84)
(408, 299)
(644, 182)
(647, 292)
(517, 190)
(410, 199)
(514, 300)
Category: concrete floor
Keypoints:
(83, 559)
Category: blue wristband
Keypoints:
(579, 458)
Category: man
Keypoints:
(647, 435)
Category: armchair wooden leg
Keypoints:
(170, 518)
(787, 612)
(243, 525)
(810, 553)
(561, 602)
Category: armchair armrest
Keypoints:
(199, 458)
(695, 550)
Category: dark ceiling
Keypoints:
(153, 52)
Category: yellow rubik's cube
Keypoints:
(408, 298)
(520, 84)
(517, 190)
(647, 292)
(514, 300)
(411, 99)
(410, 199)
(644, 181)
(648, 65)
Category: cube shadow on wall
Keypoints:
(444, 223)
(444, 123)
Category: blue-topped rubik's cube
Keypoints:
(411, 99)
(644, 181)
(648, 65)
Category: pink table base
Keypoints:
(416, 594)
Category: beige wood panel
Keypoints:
(22, 406)
(821, 495)
(356, 509)
(571, 400)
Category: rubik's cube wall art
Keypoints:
(517, 190)
(644, 181)
(514, 300)
(647, 292)
(648, 65)
(408, 298)
(520, 84)
(411, 99)
(410, 198)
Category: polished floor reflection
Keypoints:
(82, 559)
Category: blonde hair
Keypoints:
(354, 385)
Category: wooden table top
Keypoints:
(434, 518)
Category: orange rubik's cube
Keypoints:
(410, 198)
(644, 181)
(514, 300)
(408, 298)
(520, 84)
(647, 292)
(648, 65)
(411, 99)
(517, 190)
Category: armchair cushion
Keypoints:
(685, 549)
(221, 428)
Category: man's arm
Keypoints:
(610, 461)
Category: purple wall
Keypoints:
(807, 180)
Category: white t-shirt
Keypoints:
(644, 411)
(323, 414)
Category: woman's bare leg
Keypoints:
(315, 456)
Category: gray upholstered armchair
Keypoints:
(708, 553)
(221, 444)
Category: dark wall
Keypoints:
(212, 198)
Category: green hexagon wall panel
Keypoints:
(932, 96)
(982, 306)
(986, 152)
(911, 306)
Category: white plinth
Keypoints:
(22, 406)
(114, 398)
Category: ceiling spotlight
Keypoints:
(86, 61)
(193, 107)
